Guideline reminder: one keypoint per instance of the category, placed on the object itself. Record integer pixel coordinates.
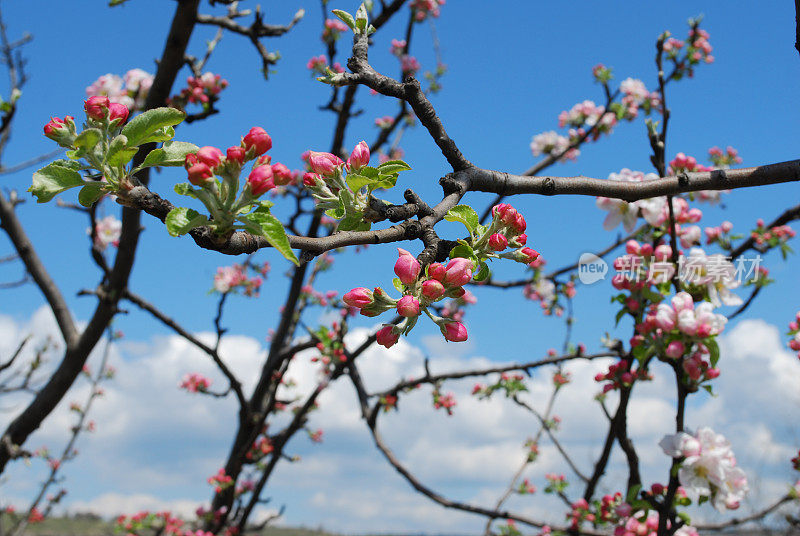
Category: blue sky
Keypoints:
(511, 71)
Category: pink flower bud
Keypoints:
(117, 111)
(96, 107)
(359, 157)
(521, 240)
(324, 164)
(663, 252)
(387, 337)
(529, 255)
(310, 180)
(257, 141)
(632, 304)
(712, 373)
(236, 154)
(199, 173)
(52, 126)
(358, 297)
(646, 250)
(407, 267)
(432, 290)
(282, 174)
(408, 306)
(726, 226)
(210, 156)
(454, 331)
(436, 271)
(458, 272)
(260, 180)
(498, 242)
(675, 349)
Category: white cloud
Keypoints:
(156, 444)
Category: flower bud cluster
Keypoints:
(203, 90)
(620, 375)
(422, 9)
(229, 279)
(772, 237)
(220, 480)
(420, 290)
(794, 344)
(195, 383)
(724, 159)
(444, 401)
(510, 384)
(318, 65)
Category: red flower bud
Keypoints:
(257, 141)
(407, 267)
(498, 242)
(359, 157)
(408, 306)
(454, 331)
(432, 290)
(199, 173)
(96, 107)
(387, 337)
(235, 154)
(282, 174)
(210, 156)
(260, 180)
(358, 297)
(118, 111)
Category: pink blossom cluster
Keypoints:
(771, 236)
(398, 47)
(682, 315)
(207, 162)
(333, 29)
(708, 468)
(202, 90)
(724, 159)
(580, 512)
(220, 480)
(260, 448)
(681, 162)
(384, 122)
(637, 96)
(421, 289)
(627, 213)
(556, 483)
(234, 278)
(526, 488)
(319, 65)
(712, 275)
(409, 65)
(621, 374)
(195, 383)
(331, 349)
(130, 90)
(587, 113)
(509, 383)
(611, 507)
(315, 296)
(106, 232)
(552, 143)
(794, 344)
(446, 402)
(423, 9)
(560, 378)
(507, 230)
(161, 522)
(638, 525)
(640, 267)
(718, 233)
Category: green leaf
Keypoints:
(398, 285)
(463, 250)
(272, 229)
(185, 188)
(87, 139)
(483, 273)
(162, 134)
(172, 153)
(356, 182)
(147, 124)
(353, 221)
(713, 350)
(119, 154)
(91, 192)
(392, 167)
(182, 220)
(346, 18)
(335, 213)
(619, 316)
(466, 215)
(53, 179)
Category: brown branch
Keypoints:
(213, 353)
(76, 354)
(12, 226)
(741, 520)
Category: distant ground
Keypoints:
(83, 525)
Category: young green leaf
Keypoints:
(172, 153)
(466, 215)
(87, 139)
(272, 229)
(143, 126)
(181, 220)
(91, 192)
(119, 153)
(346, 18)
(53, 179)
(392, 167)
